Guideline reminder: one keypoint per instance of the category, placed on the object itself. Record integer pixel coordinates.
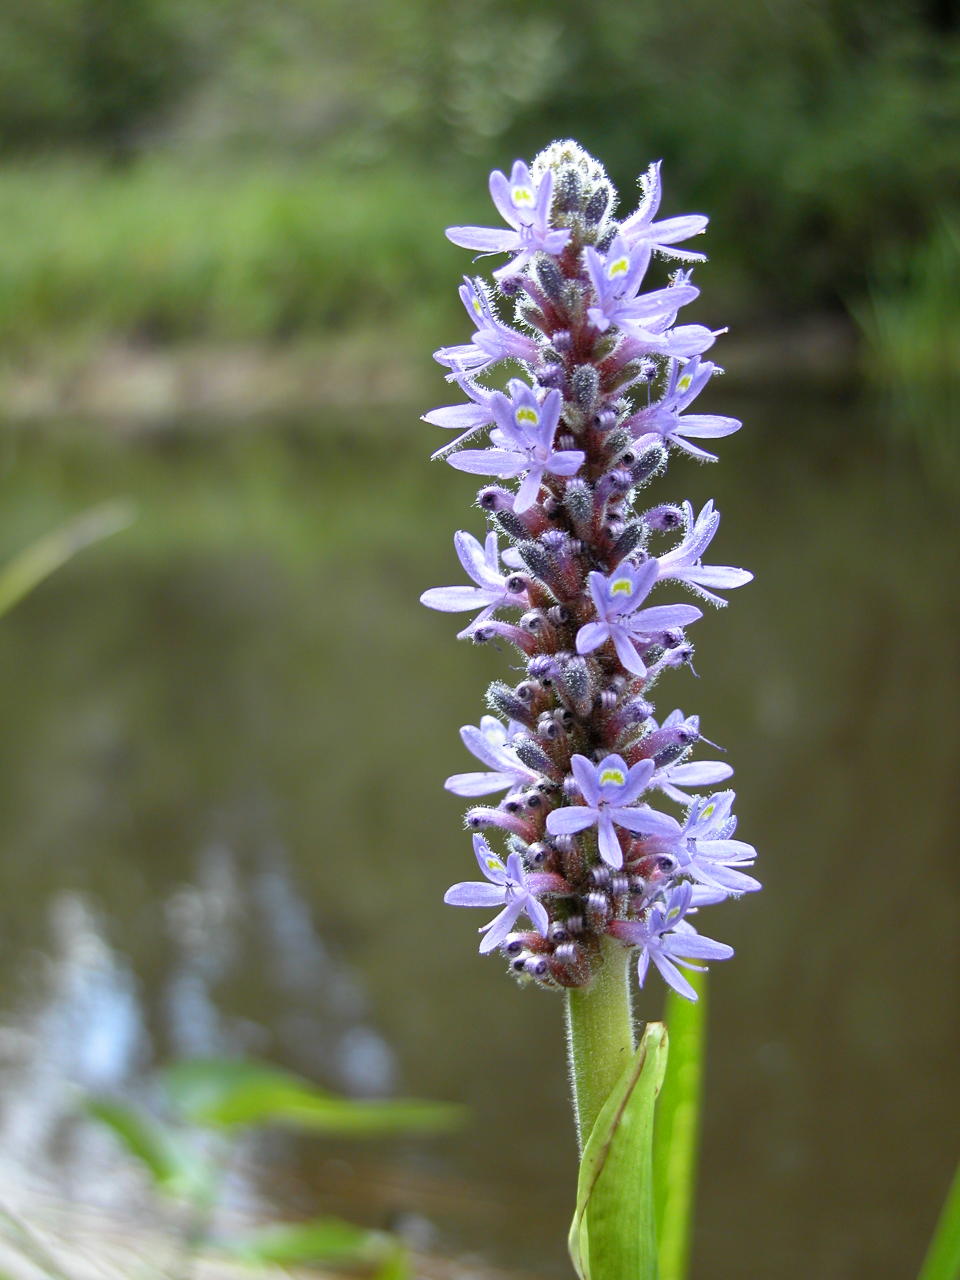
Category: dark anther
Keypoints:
(516, 583)
(526, 691)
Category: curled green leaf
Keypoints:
(613, 1234)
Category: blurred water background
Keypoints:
(222, 829)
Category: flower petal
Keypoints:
(570, 819)
(473, 893)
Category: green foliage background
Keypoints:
(820, 136)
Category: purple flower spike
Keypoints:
(668, 940)
(683, 562)
(491, 745)
(524, 436)
(617, 600)
(505, 885)
(666, 419)
(661, 237)
(579, 433)
(482, 564)
(609, 790)
(524, 204)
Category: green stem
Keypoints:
(599, 1035)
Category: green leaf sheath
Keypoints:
(613, 1235)
(677, 1130)
(943, 1257)
(599, 1035)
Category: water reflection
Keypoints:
(224, 737)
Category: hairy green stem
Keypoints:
(599, 1035)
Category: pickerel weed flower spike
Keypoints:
(601, 376)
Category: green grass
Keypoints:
(911, 321)
(164, 252)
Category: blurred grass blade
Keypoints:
(227, 1093)
(324, 1240)
(677, 1130)
(613, 1234)
(943, 1257)
(26, 570)
(173, 1167)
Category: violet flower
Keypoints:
(610, 791)
(616, 278)
(482, 564)
(490, 743)
(492, 341)
(666, 420)
(662, 237)
(703, 846)
(525, 443)
(620, 619)
(524, 203)
(683, 562)
(667, 939)
(505, 885)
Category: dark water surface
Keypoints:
(222, 829)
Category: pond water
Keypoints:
(223, 830)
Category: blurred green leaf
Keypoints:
(173, 1166)
(677, 1129)
(322, 1240)
(613, 1234)
(943, 1257)
(396, 1266)
(228, 1093)
(26, 570)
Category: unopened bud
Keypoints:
(548, 273)
(585, 383)
(664, 518)
(649, 463)
(597, 206)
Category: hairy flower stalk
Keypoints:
(575, 763)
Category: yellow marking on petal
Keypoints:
(523, 197)
(477, 307)
(684, 382)
(527, 415)
(708, 810)
(622, 587)
(618, 268)
(493, 863)
(615, 776)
